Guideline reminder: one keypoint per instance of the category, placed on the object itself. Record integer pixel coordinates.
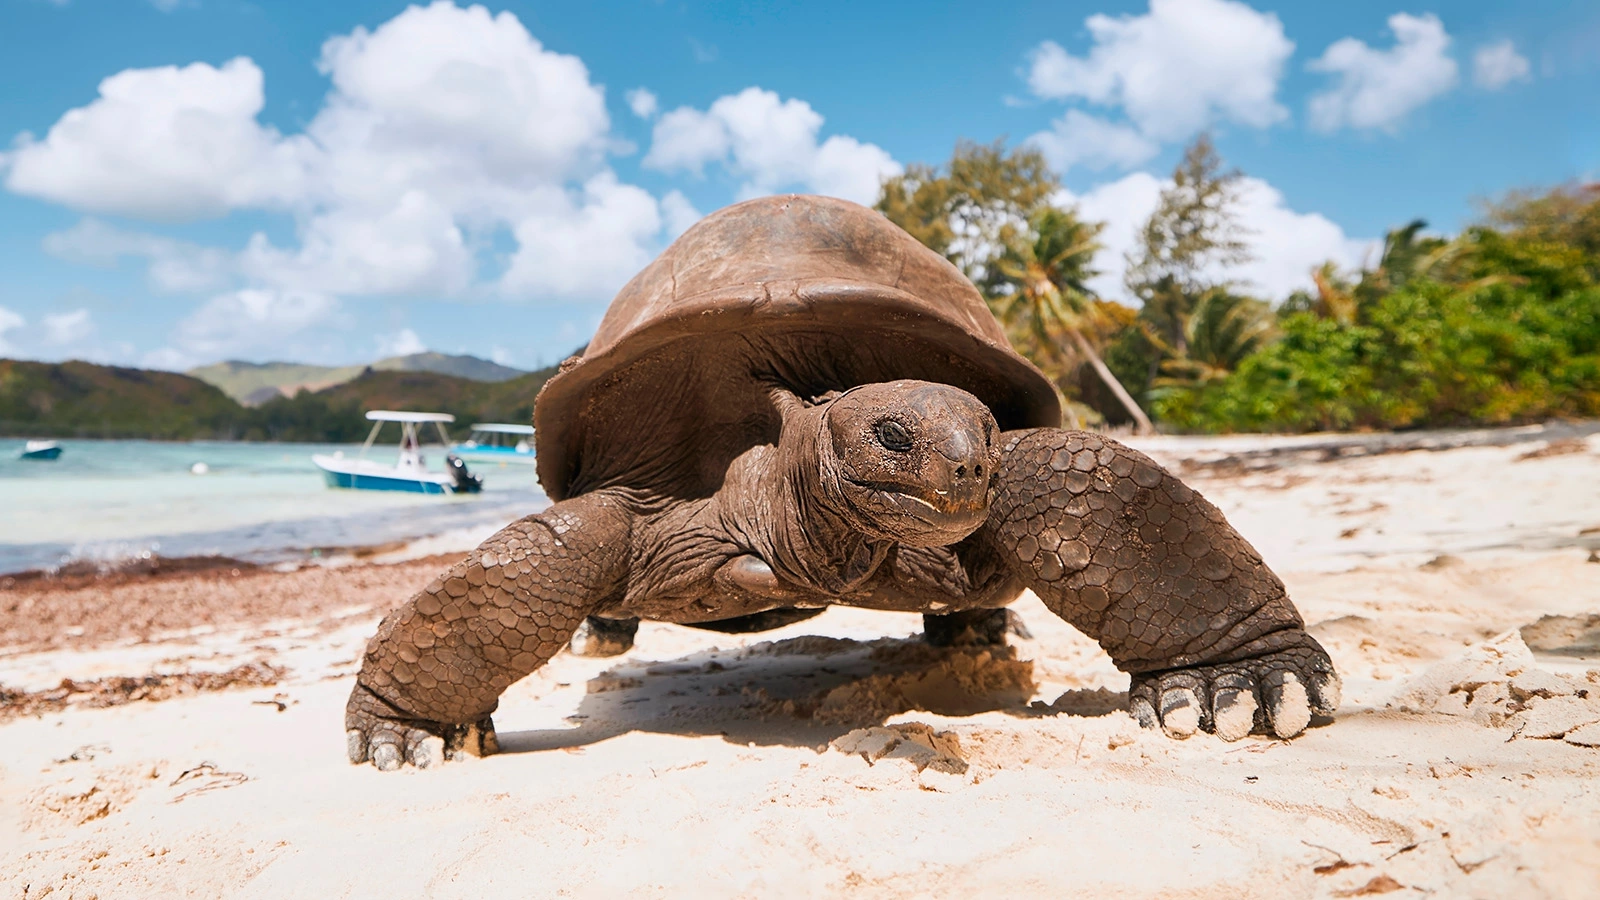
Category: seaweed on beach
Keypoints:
(115, 571)
(122, 689)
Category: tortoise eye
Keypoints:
(893, 435)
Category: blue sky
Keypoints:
(183, 181)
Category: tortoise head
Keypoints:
(911, 460)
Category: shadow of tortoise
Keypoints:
(804, 692)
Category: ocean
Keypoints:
(111, 501)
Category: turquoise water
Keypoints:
(110, 500)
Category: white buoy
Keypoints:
(199, 469)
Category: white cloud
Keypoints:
(9, 321)
(845, 167)
(1081, 139)
(1498, 64)
(584, 246)
(457, 102)
(1175, 70)
(685, 139)
(773, 141)
(402, 343)
(770, 143)
(443, 123)
(413, 247)
(642, 102)
(678, 212)
(167, 143)
(1123, 205)
(1286, 244)
(67, 328)
(1376, 89)
(246, 322)
(444, 128)
(174, 266)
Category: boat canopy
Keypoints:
(502, 428)
(389, 415)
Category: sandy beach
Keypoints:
(178, 732)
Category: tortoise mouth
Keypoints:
(942, 515)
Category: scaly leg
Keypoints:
(437, 666)
(1138, 561)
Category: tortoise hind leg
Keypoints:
(1138, 561)
(972, 628)
(603, 637)
(435, 670)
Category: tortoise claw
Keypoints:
(386, 756)
(1288, 704)
(1180, 712)
(389, 744)
(1276, 694)
(1233, 706)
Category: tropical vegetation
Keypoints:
(1498, 324)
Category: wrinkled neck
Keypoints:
(816, 537)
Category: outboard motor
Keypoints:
(466, 482)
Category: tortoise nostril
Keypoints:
(977, 471)
(961, 471)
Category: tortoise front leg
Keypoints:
(437, 666)
(1140, 562)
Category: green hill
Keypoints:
(78, 399)
(255, 383)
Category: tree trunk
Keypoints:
(1144, 426)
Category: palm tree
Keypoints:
(1407, 256)
(1335, 298)
(1220, 332)
(1039, 289)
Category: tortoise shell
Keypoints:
(811, 293)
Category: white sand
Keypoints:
(683, 770)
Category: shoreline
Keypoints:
(1191, 457)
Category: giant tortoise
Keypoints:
(795, 406)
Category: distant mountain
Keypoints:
(78, 399)
(469, 367)
(256, 383)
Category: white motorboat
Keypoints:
(45, 450)
(411, 472)
(497, 442)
